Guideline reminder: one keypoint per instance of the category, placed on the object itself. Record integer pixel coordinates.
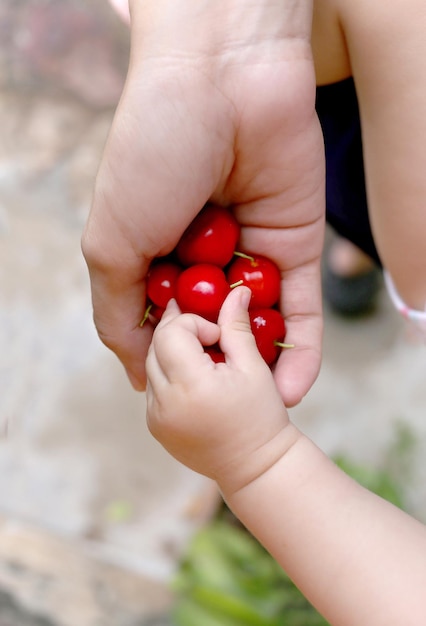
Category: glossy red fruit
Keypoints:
(261, 275)
(215, 353)
(268, 328)
(202, 289)
(155, 313)
(210, 238)
(161, 282)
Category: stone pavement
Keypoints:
(93, 514)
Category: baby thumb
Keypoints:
(236, 338)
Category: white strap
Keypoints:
(417, 317)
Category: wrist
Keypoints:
(218, 29)
(243, 473)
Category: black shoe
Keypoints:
(352, 295)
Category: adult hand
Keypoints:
(218, 106)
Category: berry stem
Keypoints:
(243, 255)
(145, 315)
(237, 284)
(283, 345)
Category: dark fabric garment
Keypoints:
(346, 201)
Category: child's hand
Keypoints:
(223, 420)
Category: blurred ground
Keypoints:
(92, 512)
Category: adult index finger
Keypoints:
(118, 298)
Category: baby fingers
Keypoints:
(177, 346)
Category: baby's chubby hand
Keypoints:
(224, 420)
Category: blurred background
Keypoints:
(94, 516)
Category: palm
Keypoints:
(248, 139)
(277, 190)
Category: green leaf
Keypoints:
(230, 575)
(189, 613)
(231, 606)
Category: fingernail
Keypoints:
(245, 297)
(172, 305)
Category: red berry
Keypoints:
(215, 353)
(268, 328)
(155, 313)
(210, 238)
(202, 289)
(161, 282)
(261, 275)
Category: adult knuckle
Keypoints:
(112, 342)
(95, 255)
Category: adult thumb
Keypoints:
(236, 338)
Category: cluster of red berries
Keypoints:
(202, 269)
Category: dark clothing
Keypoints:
(346, 201)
